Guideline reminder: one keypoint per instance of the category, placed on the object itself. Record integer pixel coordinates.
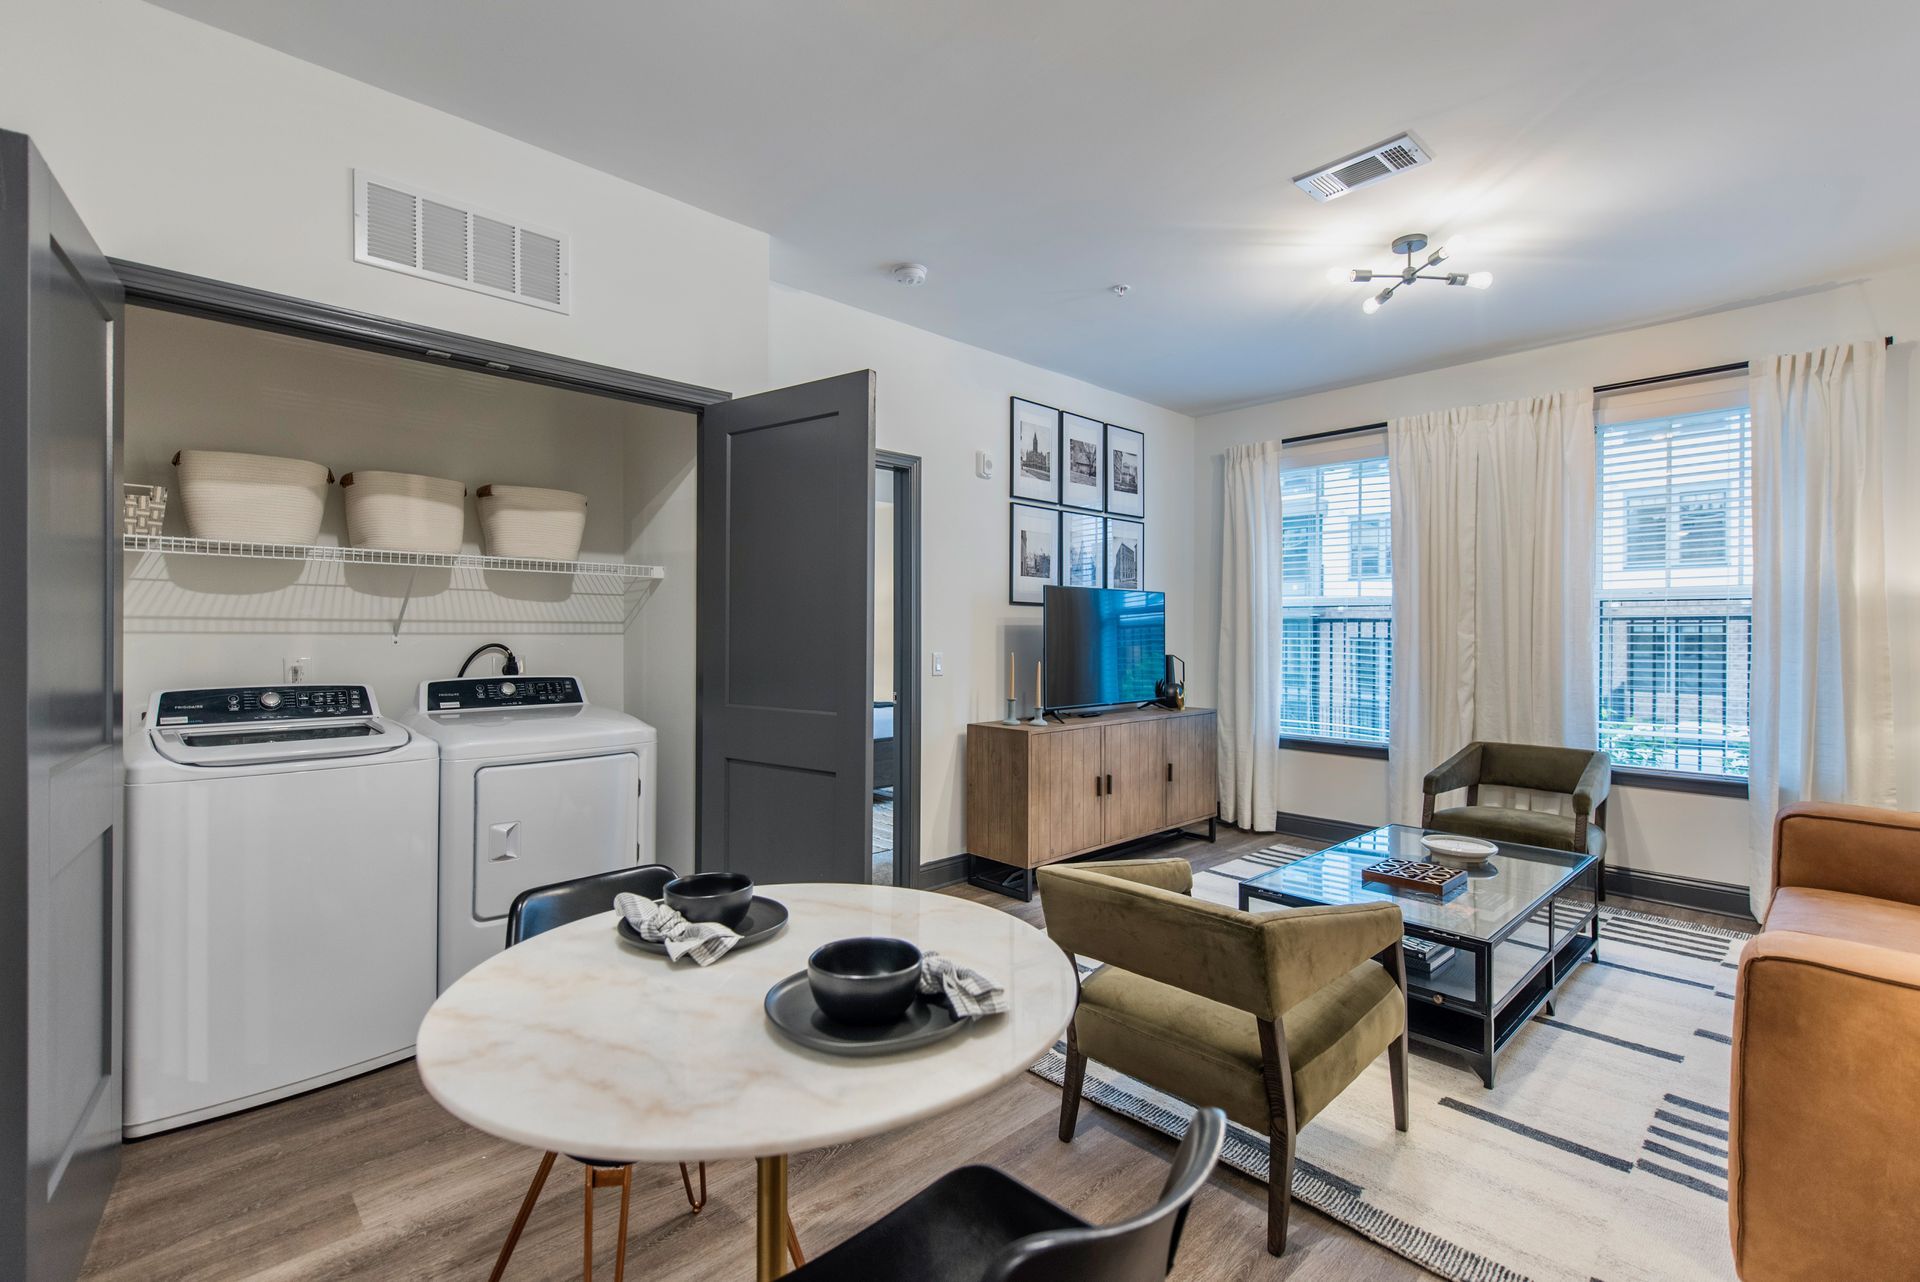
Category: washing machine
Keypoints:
(281, 890)
(537, 785)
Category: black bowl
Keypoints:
(864, 981)
(724, 897)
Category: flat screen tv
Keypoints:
(1102, 646)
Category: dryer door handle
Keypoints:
(503, 842)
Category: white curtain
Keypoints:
(1493, 611)
(1822, 704)
(1249, 661)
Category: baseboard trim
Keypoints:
(1329, 830)
(940, 872)
(1682, 892)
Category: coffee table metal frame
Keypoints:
(1480, 1027)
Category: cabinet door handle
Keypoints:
(1169, 772)
(1109, 785)
(1096, 785)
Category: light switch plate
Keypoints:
(939, 664)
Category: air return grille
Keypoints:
(404, 229)
(1363, 168)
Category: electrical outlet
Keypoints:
(299, 670)
(939, 664)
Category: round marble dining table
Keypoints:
(575, 1042)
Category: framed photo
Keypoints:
(1083, 550)
(1126, 554)
(1083, 461)
(1033, 561)
(1033, 463)
(1126, 471)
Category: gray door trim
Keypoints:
(198, 296)
(906, 674)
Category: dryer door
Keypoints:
(539, 822)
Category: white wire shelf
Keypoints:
(176, 546)
(595, 596)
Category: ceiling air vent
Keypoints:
(1380, 161)
(406, 230)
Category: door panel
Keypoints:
(60, 771)
(1136, 759)
(1193, 778)
(1069, 789)
(786, 633)
(539, 822)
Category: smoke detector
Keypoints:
(910, 273)
(1364, 168)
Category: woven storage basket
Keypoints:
(251, 498)
(534, 524)
(401, 512)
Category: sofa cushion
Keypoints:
(1521, 827)
(1833, 914)
(1208, 1053)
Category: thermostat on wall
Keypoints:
(983, 464)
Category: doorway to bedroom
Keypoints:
(896, 648)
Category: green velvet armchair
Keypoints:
(1268, 1016)
(1580, 773)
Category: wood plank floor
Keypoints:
(370, 1179)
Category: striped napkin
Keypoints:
(968, 993)
(659, 923)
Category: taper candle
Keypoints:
(1010, 690)
(1037, 700)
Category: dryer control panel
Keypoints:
(466, 694)
(231, 705)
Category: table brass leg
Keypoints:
(620, 1251)
(793, 1245)
(586, 1272)
(770, 1225)
(520, 1220)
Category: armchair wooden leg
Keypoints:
(1394, 959)
(1276, 1073)
(1076, 1074)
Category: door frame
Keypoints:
(906, 674)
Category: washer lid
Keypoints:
(262, 742)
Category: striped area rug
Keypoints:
(1600, 1156)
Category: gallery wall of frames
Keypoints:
(1078, 508)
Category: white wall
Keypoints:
(188, 148)
(1680, 834)
(944, 400)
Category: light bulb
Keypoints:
(1479, 280)
(1438, 256)
(1371, 306)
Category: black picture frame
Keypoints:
(1120, 502)
(1023, 485)
(1117, 527)
(1014, 577)
(1071, 463)
(1069, 519)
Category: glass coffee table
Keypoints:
(1481, 962)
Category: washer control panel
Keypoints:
(463, 694)
(231, 705)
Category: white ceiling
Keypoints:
(1613, 162)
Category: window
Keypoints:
(1336, 596)
(1676, 580)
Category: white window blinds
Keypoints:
(1336, 594)
(1676, 577)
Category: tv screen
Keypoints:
(1103, 645)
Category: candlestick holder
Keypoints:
(1039, 717)
(1013, 714)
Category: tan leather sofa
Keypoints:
(1824, 1148)
(1266, 1015)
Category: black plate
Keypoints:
(792, 1010)
(762, 922)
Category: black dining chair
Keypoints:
(979, 1225)
(534, 912)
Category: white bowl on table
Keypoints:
(1471, 851)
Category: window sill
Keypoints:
(1336, 747)
(1674, 781)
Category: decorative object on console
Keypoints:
(402, 512)
(253, 498)
(1083, 476)
(143, 509)
(1039, 696)
(1409, 245)
(1033, 555)
(1416, 877)
(526, 521)
(1171, 691)
(1126, 554)
(1126, 471)
(1034, 439)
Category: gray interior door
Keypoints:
(60, 765)
(786, 633)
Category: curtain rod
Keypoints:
(1338, 431)
(1684, 374)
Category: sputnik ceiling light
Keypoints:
(1409, 245)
